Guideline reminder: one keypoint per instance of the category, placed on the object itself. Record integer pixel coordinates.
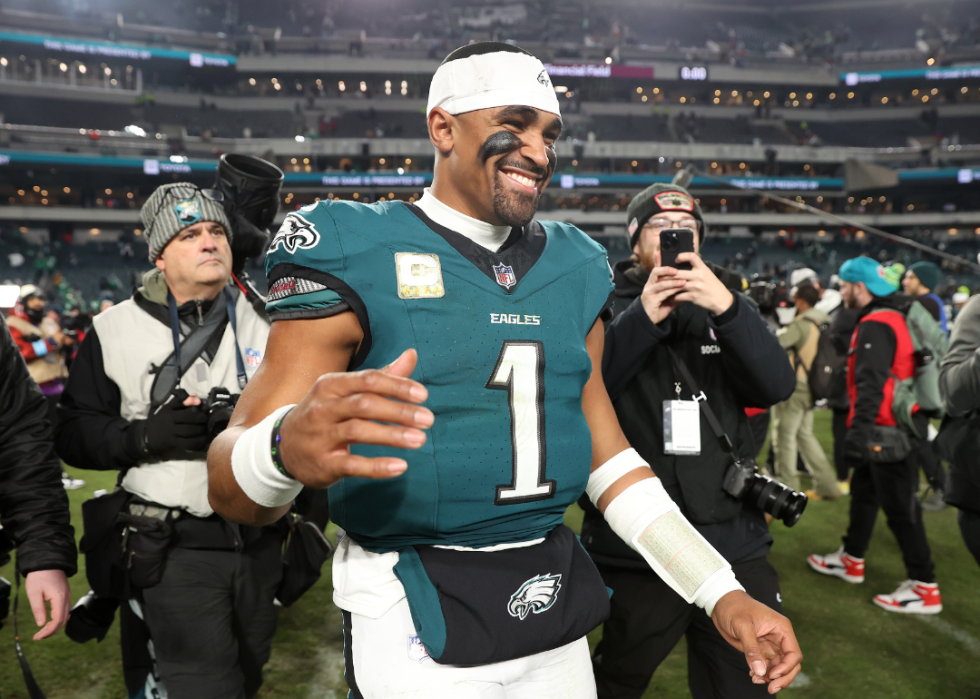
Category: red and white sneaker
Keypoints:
(912, 597)
(840, 565)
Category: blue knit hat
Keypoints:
(864, 269)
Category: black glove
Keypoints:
(856, 444)
(174, 430)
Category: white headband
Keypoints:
(487, 80)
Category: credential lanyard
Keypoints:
(175, 330)
(698, 395)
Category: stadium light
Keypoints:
(683, 100)
(639, 90)
(963, 90)
(935, 91)
(341, 86)
(644, 98)
(792, 95)
(82, 68)
(833, 95)
(3, 62)
(766, 94)
(915, 93)
(251, 81)
(363, 86)
(561, 88)
(300, 139)
(656, 90)
(930, 61)
(884, 100)
(608, 60)
(64, 67)
(108, 70)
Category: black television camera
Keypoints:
(743, 481)
(251, 187)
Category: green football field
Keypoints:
(851, 648)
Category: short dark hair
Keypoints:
(482, 47)
(808, 292)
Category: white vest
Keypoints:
(131, 341)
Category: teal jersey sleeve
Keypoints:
(304, 264)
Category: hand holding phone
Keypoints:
(673, 242)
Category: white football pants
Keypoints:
(384, 659)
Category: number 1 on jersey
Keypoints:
(520, 371)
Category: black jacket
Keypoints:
(33, 503)
(736, 361)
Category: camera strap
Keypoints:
(698, 395)
(169, 373)
(33, 690)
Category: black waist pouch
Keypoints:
(146, 541)
(102, 543)
(888, 444)
(305, 552)
(477, 608)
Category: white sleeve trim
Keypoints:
(646, 518)
(254, 470)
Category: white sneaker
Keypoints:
(912, 597)
(840, 565)
(71, 483)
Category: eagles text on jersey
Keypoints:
(501, 344)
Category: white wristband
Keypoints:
(256, 473)
(612, 471)
(646, 518)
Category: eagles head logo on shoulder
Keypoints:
(534, 596)
(295, 233)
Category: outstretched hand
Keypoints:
(362, 407)
(764, 635)
(48, 586)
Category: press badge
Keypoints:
(682, 427)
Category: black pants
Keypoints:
(970, 529)
(647, 620)
(928, 461)
(892, 487)
(212, 619)
(839, 428)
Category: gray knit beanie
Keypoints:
(172, 208)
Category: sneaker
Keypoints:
(845, 487)
(71, 483)
(912, 597)
(933, 501)
(840, 565)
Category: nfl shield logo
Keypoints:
(505, 275)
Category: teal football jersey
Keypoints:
(501, 345)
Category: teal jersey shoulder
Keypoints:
(501, 344)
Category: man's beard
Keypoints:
(513, 208)
(35, 315)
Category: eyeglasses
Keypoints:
(182, 193)
(662, 223)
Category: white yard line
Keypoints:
(970, 642)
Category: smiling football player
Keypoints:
(457, 577)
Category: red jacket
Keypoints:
(31, 346)
(874, 351)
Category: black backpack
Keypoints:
(828, 365)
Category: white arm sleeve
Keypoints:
(254, 470)
(646, 518)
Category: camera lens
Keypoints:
(778, 500)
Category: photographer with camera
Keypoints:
(155, 380)
(684, 356)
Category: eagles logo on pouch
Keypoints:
(295, 233)
(534, 596)
(188, 211)
(668, 201)
(505, 275)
